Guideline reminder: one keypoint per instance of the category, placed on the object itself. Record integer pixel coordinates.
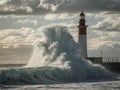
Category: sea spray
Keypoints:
(56, 58)
(55, 45)
(57, 48)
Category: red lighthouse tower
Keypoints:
(82, 36)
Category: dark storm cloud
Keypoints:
(21, 7)
(92, 5)
(57, 6)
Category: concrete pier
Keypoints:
(111, 63)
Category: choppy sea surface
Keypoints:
(90, 85)
(106, 85)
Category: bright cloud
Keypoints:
(99, 43)
(60, 16)
(4, 1)
(27, 21)
(19, 36)
(108, 23)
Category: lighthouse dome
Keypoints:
(82, 14)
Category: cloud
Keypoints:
(53, 5)
(98, 33)
(60, 16)
(15, 7)
(16, 37)
(113, 34)
(107, 51)
(101, 42)
(12, 36)
(27, 21)
(18, 21)
(4, 1)
(107, 23)
(96, 43)
(100, 39)
(23, 7)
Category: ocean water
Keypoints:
(109, 85)
(56, 63)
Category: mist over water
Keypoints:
(56, 58)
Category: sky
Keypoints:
(21, 22)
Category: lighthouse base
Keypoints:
(83, 45)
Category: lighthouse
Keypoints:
(82, 35)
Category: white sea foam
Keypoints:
(56, 58)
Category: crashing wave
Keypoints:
(56, 58)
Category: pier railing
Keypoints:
(111, 59)
(100, 60)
